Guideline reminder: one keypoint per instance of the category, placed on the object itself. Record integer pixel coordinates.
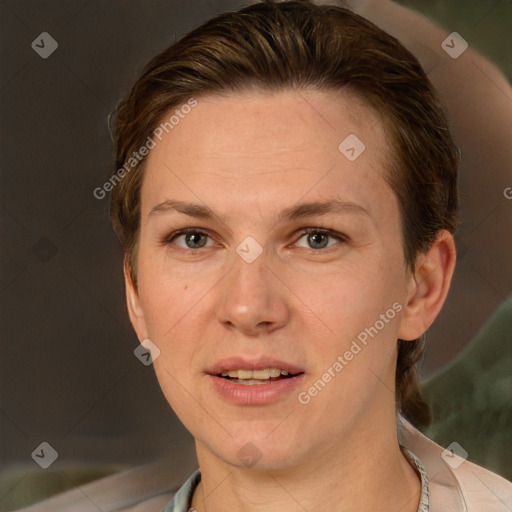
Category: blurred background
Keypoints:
(68, 373)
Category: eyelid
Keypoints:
(167, 239)
(340, 237)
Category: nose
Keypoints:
(252, 299)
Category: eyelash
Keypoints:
(307, 231)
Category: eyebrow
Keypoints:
(295, 212)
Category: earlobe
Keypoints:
(135, 311)
(428, 287)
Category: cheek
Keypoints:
(345, 298)
(167, 307)
(176, 324)
(168, 293)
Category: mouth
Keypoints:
(256, 377)
(258, 381)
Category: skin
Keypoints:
(248, 157)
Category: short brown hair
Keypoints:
(297, 45)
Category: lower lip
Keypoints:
(256, 394)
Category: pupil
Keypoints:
(318, 240)
(195, 240)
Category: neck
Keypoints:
(363, 472)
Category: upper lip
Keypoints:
(261, 363)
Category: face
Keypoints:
(271, 274)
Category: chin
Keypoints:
(256, 451)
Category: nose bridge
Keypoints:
(252, 298)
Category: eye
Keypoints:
(312, 238)
(190, 239)
(319, 238)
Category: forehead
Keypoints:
(248, 150)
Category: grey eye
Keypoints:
(195, 240)
(192, 240)
(317, 240)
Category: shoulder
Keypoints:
(146, 488)
(455, 484)
(483, 489)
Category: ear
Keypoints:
(428, 287)
(135, 312)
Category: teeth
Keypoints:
(255, 374)
(251, 382)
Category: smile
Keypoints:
(255, 377)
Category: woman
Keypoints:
(286, 198)
(288, 241)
